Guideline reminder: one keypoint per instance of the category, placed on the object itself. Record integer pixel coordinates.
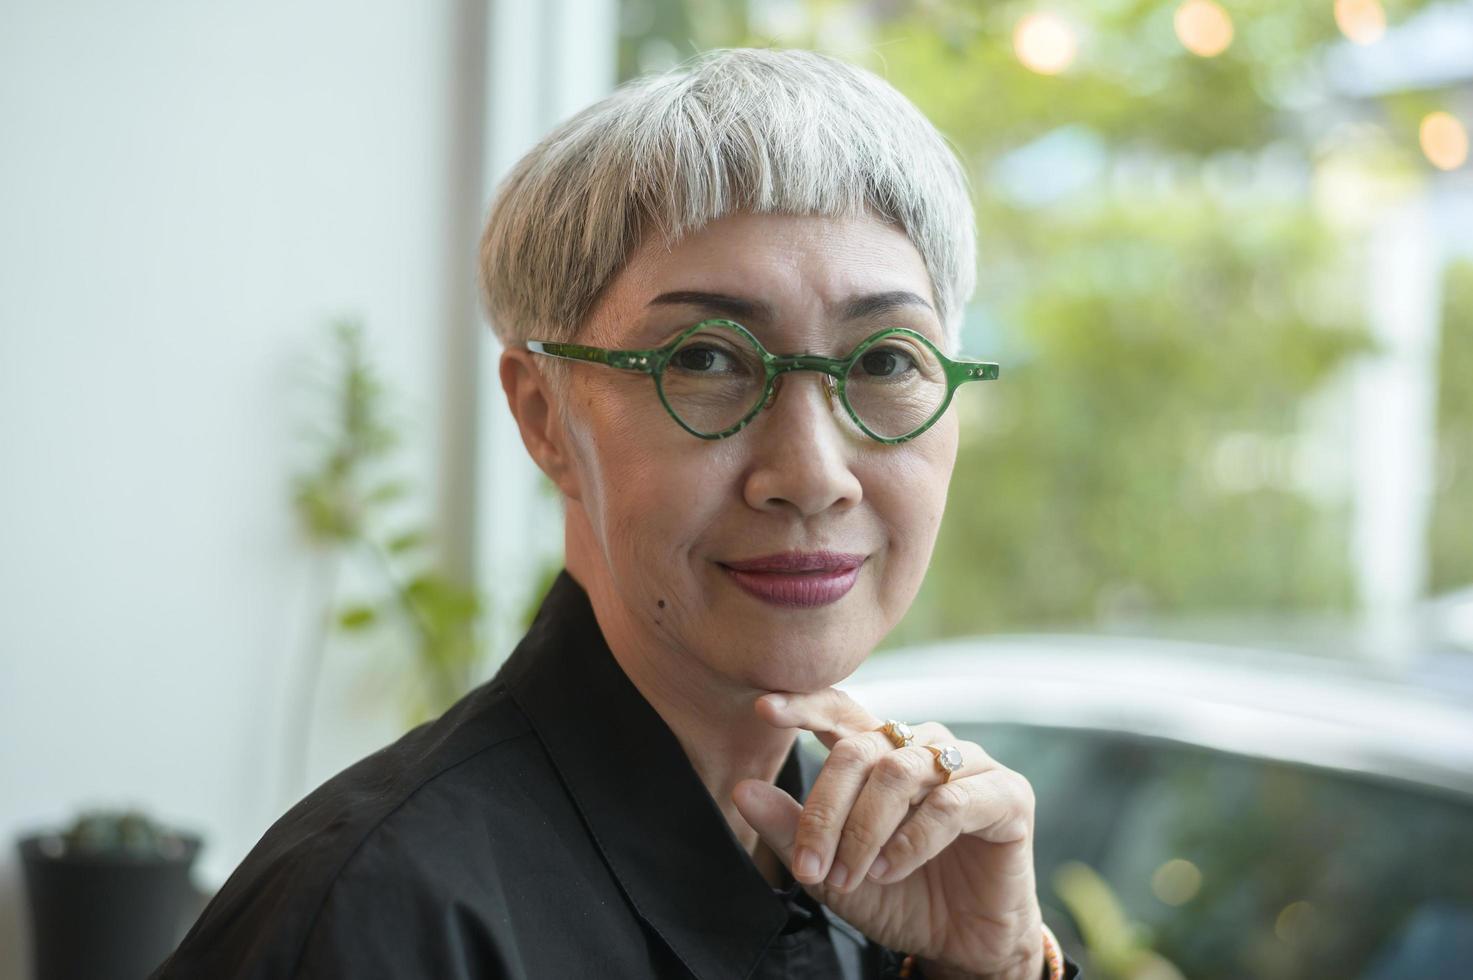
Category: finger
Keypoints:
(996, 805)
(900, 780)
(831, 714)
(828, 808)
(771, 812)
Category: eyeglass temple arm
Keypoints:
(641, 361)
(958, 372)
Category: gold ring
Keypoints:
(948, 759)
(898, 732)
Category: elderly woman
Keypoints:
(729, 299)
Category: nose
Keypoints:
(801, 452)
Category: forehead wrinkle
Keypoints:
(804, 276)
(843, 322)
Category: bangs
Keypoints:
(778, 132)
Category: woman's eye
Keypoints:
(701, 359)
(886, 363)
(706, 359)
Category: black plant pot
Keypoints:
(100, 916)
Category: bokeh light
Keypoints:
(1203, 28)
(1295, 923)
(1444, 139)
(1363, 21)
(1045, 43)
(1176, 881)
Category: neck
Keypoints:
(711, 715)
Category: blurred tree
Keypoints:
(1140, 456)
(1451, 539)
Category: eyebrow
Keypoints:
(873, 303)
(737, 307)
(733, 306)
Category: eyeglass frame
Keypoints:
(654, 361)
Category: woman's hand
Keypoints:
(943, 870)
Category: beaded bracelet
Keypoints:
(1053, 957)
(1053, 954)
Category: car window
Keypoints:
(1226, 866)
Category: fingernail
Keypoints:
(878, 869)
(805, 863)
(838, 874)
(778, 701)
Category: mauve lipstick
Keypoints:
(801, 579)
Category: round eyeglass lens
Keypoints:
(713, 379)
(896, 386)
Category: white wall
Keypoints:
(188, 193)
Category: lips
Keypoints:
(797, 579)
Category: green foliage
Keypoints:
(351, 505)
(1118, 948)
(331, 498)
(1451, 536)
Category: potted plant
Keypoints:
(110, 896)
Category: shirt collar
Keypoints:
(663, 836)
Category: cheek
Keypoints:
(908, 496)
(658, 488)
(909, 493)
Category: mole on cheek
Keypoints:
(661, 603)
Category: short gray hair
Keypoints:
(765, 131)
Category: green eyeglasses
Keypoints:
(715, 377)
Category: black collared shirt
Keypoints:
(548, 825)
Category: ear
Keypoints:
(533, 405)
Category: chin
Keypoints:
(789, 666)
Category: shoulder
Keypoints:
(381, 842)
